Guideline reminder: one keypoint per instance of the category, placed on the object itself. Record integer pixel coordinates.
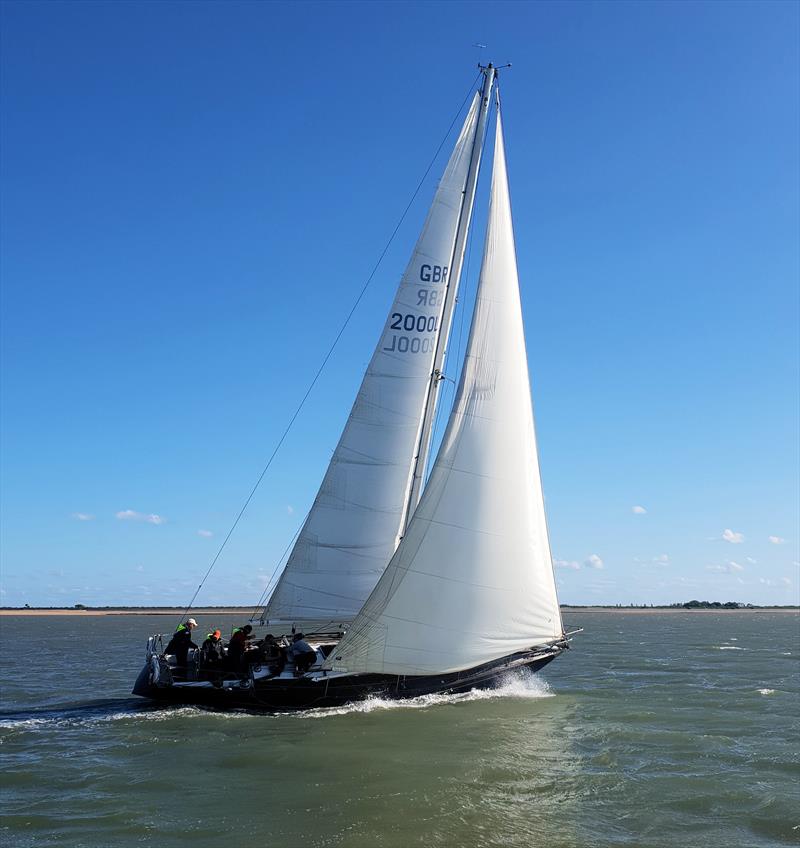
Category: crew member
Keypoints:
(302, 653)
(181, 641)
(268, 652)
(211, 653)
(237, 645)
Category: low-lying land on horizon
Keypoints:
(248, 611)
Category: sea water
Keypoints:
(654, 730)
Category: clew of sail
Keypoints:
(472, 579)
(351, 531)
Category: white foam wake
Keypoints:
(519, 685)
(72, 720)
(513, 686)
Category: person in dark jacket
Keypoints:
(181, 641)
(269, 653)
(237, 645)
(211, 653)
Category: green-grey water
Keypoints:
(655, 730)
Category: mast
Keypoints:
(456, 262)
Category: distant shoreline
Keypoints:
(247, 611)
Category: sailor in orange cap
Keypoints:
(211, 654)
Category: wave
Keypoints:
(76, 718)
(520, 685)
(106, 709)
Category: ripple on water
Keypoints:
(655, 739)
(520, 685)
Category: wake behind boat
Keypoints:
(404, 587)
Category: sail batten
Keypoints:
(472, 580)
(351, 531)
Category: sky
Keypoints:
(193, 195)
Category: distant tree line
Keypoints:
(714, 605)
(686, 605)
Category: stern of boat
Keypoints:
(156, 672)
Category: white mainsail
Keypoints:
(472, 580)
(352, 529)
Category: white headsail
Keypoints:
(352, 529)
(472, 580)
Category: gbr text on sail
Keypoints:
(416, 331)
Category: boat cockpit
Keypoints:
(268, 658)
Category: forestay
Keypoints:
(352, 529)
(472, 580)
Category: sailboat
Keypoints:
(402, 586)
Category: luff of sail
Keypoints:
(472, 580)
(351, 531)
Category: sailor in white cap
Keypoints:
(181, 641)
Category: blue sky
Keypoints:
(194, 193)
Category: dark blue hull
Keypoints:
(279, 694)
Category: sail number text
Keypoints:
(415, 344)
(410, 323)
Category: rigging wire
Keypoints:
(330, 351)
(263, 597)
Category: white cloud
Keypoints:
(751, 560)
(733, 538)
(205, 533)
(132, 515)
(777, 540)
(289, 509)
(564, 563)
(662, 558)
(730, 567)
(82, 516)
(638, 510)
(593, 561)
(139, 568)
(786, 581)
